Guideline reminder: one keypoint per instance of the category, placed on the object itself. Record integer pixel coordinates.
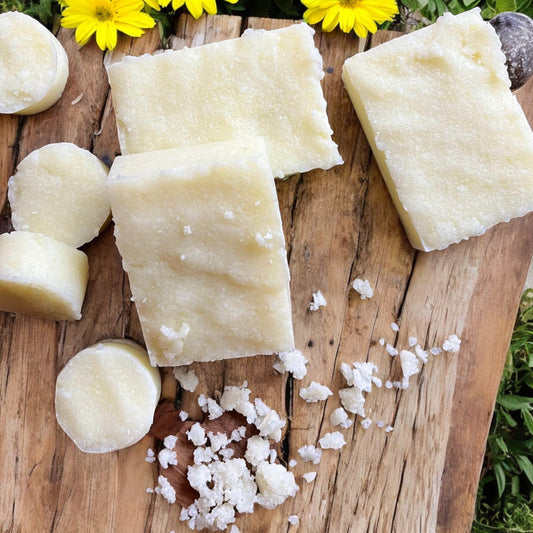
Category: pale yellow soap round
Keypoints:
(59, 190)
(41, 276)
(106, 396)
(33, 65)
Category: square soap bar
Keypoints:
(199, 231)
(264, 83)
(451, 140)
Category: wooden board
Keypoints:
(339, 225)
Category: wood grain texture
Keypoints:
(339, 224)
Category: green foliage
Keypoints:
(505, 494)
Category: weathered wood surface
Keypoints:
(339, 224)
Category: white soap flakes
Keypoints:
(318, 301)
(412, 341)
(183, 415)
(362, 286)
(388, 429)
(409, 362)
(293, 463)
(167, 457)
(391, 350)
(366, 423)
(332, 441)
(352, 400)
(452, 344)
(421, 354)
(435, 350)
(315, 392)
(186, 378)
(338, 417)
(196, 434)
(309, 477)
(257, 450)
(275, 484)
(166, 489)
(150, 456)
(395, 326)
(294, 520)
(310, 453)
(381, 341)
(187, 230)
(214, 409)
(293, 362)
(228, 215)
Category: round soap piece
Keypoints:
(33, 63)
(59, 190)
(515, 31)
(106, 396)
(41, 276)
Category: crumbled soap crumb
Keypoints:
(214, 409)
(202, 402)
(187, 230)
(166, 489)
(273, 456)
(333, 441)
(452, 344)
(366, 423)
(149, 490)
(382, 341)
(388, 429)
(167, 457)
(309, 476)
(363, 288)
(234, 529)
(409, 363)
(268, 421)
(362, 376)
(318, 301)
(315, 392)
(388, 384)
(412, 341)
(217, 441)
(339, 417)
(294, 520)
(391, 350)
(170, 441)
(395, 327)
(293, 362)
(237, 399)
(275, 484)
(203, 455)
(309, 452)
(257, 450)
(293, 463)
(238, 434)
(380, 424)
(421, 354)
(228, 215)
(352, 400)
(435, 350)
(187, 378)
(183, 415)
(196, 435)
(150, 456)
(226, 453)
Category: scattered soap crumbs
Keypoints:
(187, 378)
(234, 529)
(352, 400)
(339, 417)
(77, 99)
(421, 354)
(183, 415)
(149, 490)
(293, 463)
(412, 341)
(294, 520)
(409, 362)
(165, 489)
(318, 301)
(332, 441)
(380, 424)
(315, 392)
(293, 362)
(183, 257)
(388, 384)
(228, 215)
(310, 453)
(167, 457)
(382, 341)
(452, 344)
(257, 450)
(214, 409)
(366, 423)
(196, 434)
(395, 326)
(275, 484)
(309, 477)
(238, 434)
(273, 456)
(202, 402)
(362, 286)
(435, 350)
(388, 429)
(187, 230)
(150, 456)
(391, 350)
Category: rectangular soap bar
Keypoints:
(264, 83)
(199, 231)
(451, 140)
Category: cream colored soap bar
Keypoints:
(59, 190)
(33, 65)
(106, 396)
(264, 83)
(199, 231)
(451, 140)
(41, 276)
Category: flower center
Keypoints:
(103, 12)
(348, 3)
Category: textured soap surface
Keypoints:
(199, 231)
(451, 140)
(41, 276)
(265, 83)
(33, 63)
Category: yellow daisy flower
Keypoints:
(105, 18)
(362, 16)
(195, 7)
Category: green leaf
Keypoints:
(514, 402)
(501, 444)
(528, 419)
(526, 465)
(505, 5)
(500, 478)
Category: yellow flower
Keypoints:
(195, 7)
(105, 18)
(362, 16)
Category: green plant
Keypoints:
(505, 494)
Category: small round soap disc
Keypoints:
(515, 31)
